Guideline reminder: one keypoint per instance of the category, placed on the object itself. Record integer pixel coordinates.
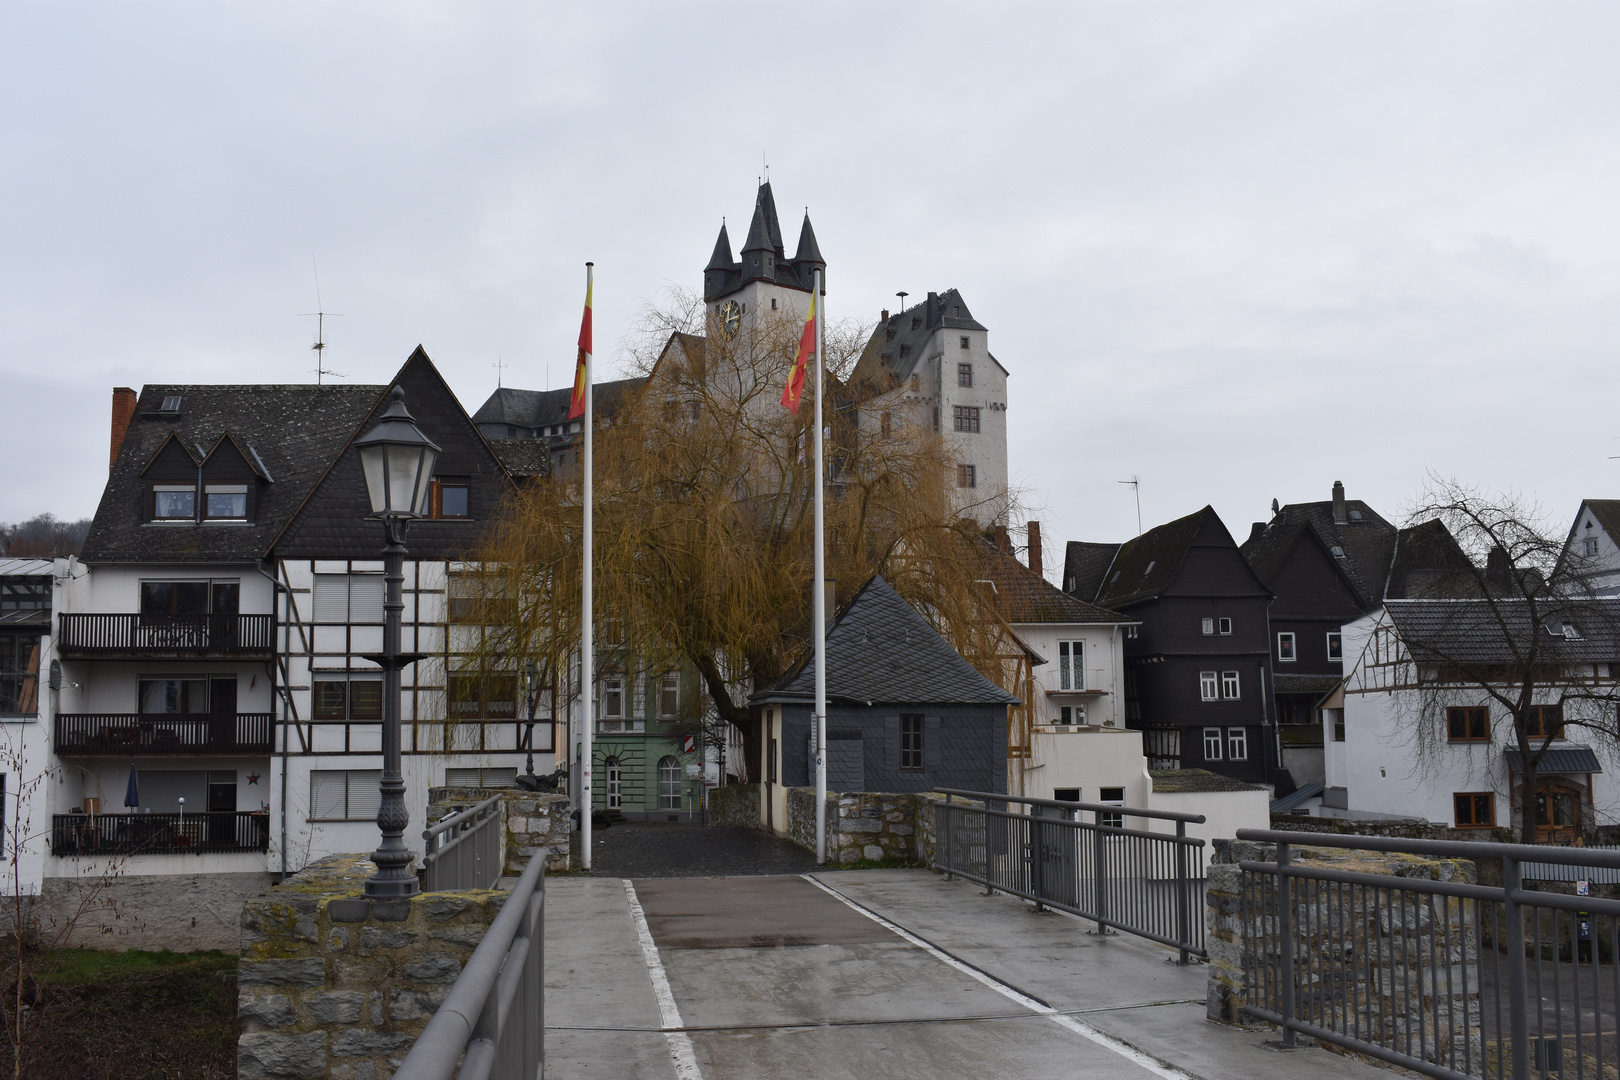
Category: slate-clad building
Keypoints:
(905, 711)
(213, 635)
(1196, 670)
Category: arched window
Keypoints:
(669, 784)
(615, 792)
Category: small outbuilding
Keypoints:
(905, 711)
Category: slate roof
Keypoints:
(523, 457)
(531, 409)
(1558, 759)
(295, 431)
(1481, 631)
(1025, 597)
(723, 276)
(1428, 562)
(887, 360)
(1085, 565)
(1174, 781)
(1367, 540)
(881, 650)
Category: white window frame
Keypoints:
(1335, 645)
(1111, 796)
(1229, 681)
(1132, 632)
(1237, 744)
(1072, 665)
(615, 783)
(1291, 653)
(1225, 627)
(669, 683)
(1209, 686)
(1589, 546)
(612, 685)
(1214, 739)
(666, 799)
(1208, 627)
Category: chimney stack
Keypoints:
(1339, 515)
(123, 411)
(1035, 548)
(884, 317)
(998, 534)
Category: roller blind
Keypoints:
(344, 794)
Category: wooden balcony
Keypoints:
(163, 735)
(159, 834)
(160, 637)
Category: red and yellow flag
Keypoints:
(576, 404)
(807, 347)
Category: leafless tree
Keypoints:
(1515, 619)
(43, 537)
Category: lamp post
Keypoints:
(398, 463)
(531, 691)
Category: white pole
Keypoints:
(587, 618)
(819, 600)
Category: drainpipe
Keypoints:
(277, 587)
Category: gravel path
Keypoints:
(658, 850)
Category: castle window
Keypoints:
(916, 321)
(965, 417)
(883, 424)
(773, 303)
(964, 373)
(936, 417)
(913, 377)
(964, 341)
(904, 349)
(967, 476)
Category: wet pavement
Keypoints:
(656, 850)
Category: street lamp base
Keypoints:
(378, 888)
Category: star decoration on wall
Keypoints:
(253, 778)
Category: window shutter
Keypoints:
(931, 747)
(326, 795)
(331, 598)
(891, 742)
(366, 598)
(365, 794)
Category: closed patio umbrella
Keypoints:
(132, 794)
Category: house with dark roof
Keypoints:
(928, 369)
(905, 711)
(1197, 665)
(1594, 540)
(1423, 734)
(215, 635)
(531, 432)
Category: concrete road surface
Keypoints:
(792, 976)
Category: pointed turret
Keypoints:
(763, 248)
(721, 259)
(809, 254)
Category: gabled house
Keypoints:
(1197, 666)
(217, 648)
(905, 711)
(1420, 737)
(1594, 539)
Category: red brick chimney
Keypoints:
(998, 536)
(123, 411)
(1035, 548)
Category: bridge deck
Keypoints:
(746, 977)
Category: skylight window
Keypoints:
(1355, 515)
(170, 404)
(1338, 552)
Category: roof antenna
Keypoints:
(320, 329)
(499, 365)
(1136, 486)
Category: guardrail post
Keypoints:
(1518, 1020)
(950, 856)
(1099, 863)
(1285, 942)
(1037, 867)
(1183, 901)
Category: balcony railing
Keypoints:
(159, 834)
(168, 735)
(136, 637)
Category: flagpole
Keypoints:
(819, 600)
(587, 620)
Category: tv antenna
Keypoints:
(1136, 486)
(320, 313)
(499, 365)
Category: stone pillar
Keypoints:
(335, 986)
(531, 822)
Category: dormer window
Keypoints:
(174, 502)
(171, 404)
(225, 501)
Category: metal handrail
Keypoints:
(477, 826)
(1106, 808)
(493, 1019)
(1457, 849)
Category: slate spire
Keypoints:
(808, 254)
(721, 259)
(761, 227)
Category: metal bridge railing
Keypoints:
(1450, 979)
(1145, 883)
(464, 850)
(493, 1020)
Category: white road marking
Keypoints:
(680, 1044)
(1079, 1027)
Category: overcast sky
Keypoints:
(1240, 251)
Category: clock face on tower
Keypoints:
(730, 318)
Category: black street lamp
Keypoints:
(398, 462)
(531, 691)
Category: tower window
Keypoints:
(773, 303)
(964, 373)
(967, 476)
(965, 418)
(964, 341)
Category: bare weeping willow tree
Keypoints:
(704, 528)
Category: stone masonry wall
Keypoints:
(735, 806)
(532, 821)
(1404, 957)
(334, 986)
(860, 825)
